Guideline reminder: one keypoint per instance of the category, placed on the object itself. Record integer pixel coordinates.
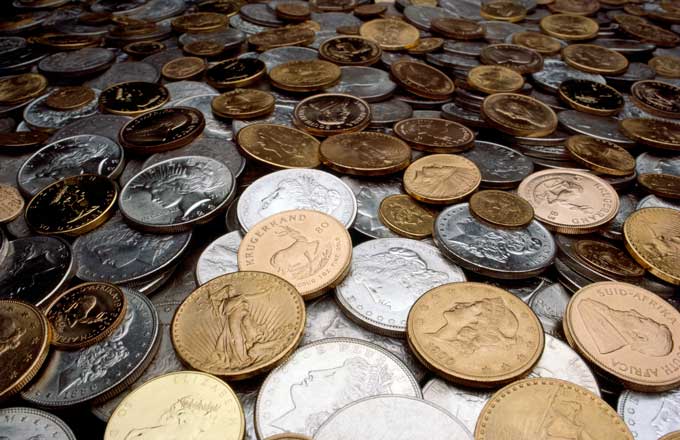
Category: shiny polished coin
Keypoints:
(519, 115)
(657, 97)
(655, 133)
(33, 424)
(607, 258)
(332, 113)
(626, 331)
(350, 51)
(267, 305)
(11, 203)
(220, 257)
(38, 116)
(457, 28)
(69, 98)
(595, 59)
(214, 127)
(549, 407)
(570, 201)
(280, 55)
(661, 185)
(133, 98)
(406, 217)
(641, 29)
(501, 166)
(177, 193)
(600, 156)
(390, 34)
(555, 71)
(591, 97)
(644, 413)
(422, 80)
(21, 88)
(494, 79)
(501, 208)
(72, 206)
(521, 59)
(434, 135)
(310, 249)
(369, 194)
(365, 154)
(243, 104)
(235, 72)
(541, 43)
(577, 7)
(502, 10)
(305, 76)
(199, 22)
(427, 45)
(183, 68)
(85, 315)
(569, 27)
(287, 36)
(441, 179)
(666, 65)
(162, 130)
(26, 336)
(507, 337)
(279, 146)
(601, 127)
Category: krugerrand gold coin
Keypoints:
(234, 73)
(601, 156)
(298, 35)
(519, 115)
(240, 324)
(183, 68)
(442, 179)
(662, 185)
(327, 114)
(143, 49)
(502, 10)
(427, 45)
(181, 405)
(293, 11)
(541, 43)
(651, 237)
(666, 65)
(546, 408)
(627, 332)
(365, 154)
(591, 97)
(595, 59)
(243, 104)
(406, 217)
(654, 133)
(133, 98)
(68, 98)
(501, 208)
(475, 334)
(22, 141)
(390, 34)
(494, 79)
(569, 27)
(21, 88)
(11, 203)
(279, 146)
(309, 249)
(641, 29)
(305, 76)
(422, 80)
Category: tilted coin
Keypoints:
(21, 88)
(578, 7)
(662, 185)
(441, 178)
(457, 28)
(569, 27)
(475, 334)
(332, 113)
(162, 130)
(591, 97)
(11, 203)
(657, 97)
(305, 76)
(350, 51)
(279, 146)
(652, 201)
(541, 43)
(422, 80)
(519, 115)
(289, 36)
(406, 217)
(641, 29)
(183, 68)
(172, 195)
(293, 11)
(369, 195)
(601, 156)
(655, 133)
(666, 65)
(30, 423)
(104, 125)
(427, 45)
(324, 376)
(219, 258)
(601, 127)
(494, 79)
(72, 206)
(368, 83)
(501, 208)
(38, 116)
(237, 72)
(501, 166)
(649, 415)
(78, 63)
(626, 331)
(521, 59)
(310, 249)
(243, 103)
(555, 71)
(502, 10)
(390, 34)
(671, 436)
(595, 59)
(658, 162)
(434, 135)
(365, 154)
(199, 22)
(22, 141)
(288, 436)
(133, 98)
(203, 48)
(68, 98)
(607, 258)
(386, 113)
(142, 49)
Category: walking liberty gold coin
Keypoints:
(365, 154)
(441, 179)
(239, 325)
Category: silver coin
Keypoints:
(165, 361)
(231, 217)
(248, 28)
(451, 60)
(549, 304)
(601, 127)
(148, 286)
(550, 152)
(322, 377)
(4, 246)
(652, 201)
(624, 46)
(389, 58)
(393, 417)
(322, 36)
(386, 278)
(650, 416)
(230, 38)
(39, 116)
(369, 194)
(464, 48)
(9, 167)
(10, 44)
(182, 282)
(296, 189)
(630, 110)
(627, 205)
(185, 89)
(213, 126)
(219, 258)
(463, 9)
(334, 20)
(386, 113)
(73, 27)
(158, 60)
(157, 10)
(454, 112)
(132, 168)
(635, 72)
(81, 61)
(259, 13)
(102, 125)
(124, 72)
(501, 167)
(498, 31)
(556, 71)
(522, 289)
(18, 228)
(82, 154)
(555, 139)
(100, 371)
(367, 83)
(494, 252)
(282, 115)
(279, 55)
(19, 423)
(650, 162)
(570, 279)
(568, 256)
(422, 16)
(248, 401)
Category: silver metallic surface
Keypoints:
(367, 83)
(650, 415)
(282, 115)
(102, 125)
(652, 162)
(601, 127)
(220, 257)
(124, 72)
(556, 71)
(279, 55)
(18, 423)
(213, 126)
(501, 166)
(40, 117)
(549, 304)
(369, 194)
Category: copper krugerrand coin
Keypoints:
(662, 185)
(501, 208)
(441, 179)
(243, 104)
(601, 156)
(183, 68)
(365, 154)
(595, 59)
(162, 130)
(569, 27)
(521, 59)
(406, 217)
(591, 97)
(305, 76)
(657, 97)
(279, 146)
(494, 79)
(519, 115)
(422, 80)
(350, 51)
(133, 98)
(655, 133)
(332, 113)
(435, 135)
(68, 98)
(234, 73)
(85, 315)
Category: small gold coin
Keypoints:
(595, 59)
(22, 141)
(494, 79)
(435, 135)
(181, 405)
(293, 11)
(243, 104)
(628, 332)
(607, 258)
(365, 154)
(282, 37)
(519, 115)
(235, 72)
(199, 22)
(655, 133)
(406, 217)
(305, 76)
(569, 27)
(69, 98)
(21, 88)
(203, 48)
(501, 208)
(309, 249)
(651, 237)
(546, 408)
(541, 43)
(279, 146)
(501, 10)
(11, 203)
(422, 80)
(427, 45)
(601, 156)
(666, 65)
(390, 34)
(578, 7)
(183, 68)
(662, 185)
(133, 98)
(240, 324)
(475, 334)
(441, 179)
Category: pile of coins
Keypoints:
(340, 219)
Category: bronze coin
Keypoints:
(293, 11)
(576, 7)
(69, 98)
(133, 98)
(162, 130)
(183, 68)
(494, 79)
(503, 10)
(279, 146)
(199, 22)
(141, 49)
(595, 59)
(305, 76)
(281, 37)
(657, 97)
(435, 135)
(365, 154)
(521, 59)
(22, 141)
(662, 185)
(569, 27)
(20, 88)
(406, 217)
(350, 51)
(601, 156)
(441, 179)
(501, 208)
(367, 11)
(643, 30)
(203, 48)
(234, 73)
(541, 43)
(422, 80)
(607, 258)
(666, 65)
(591, 97)
(331, 113)
(655, 133)
(427, 45)
(243, 104)
(519, 115)
(457, 28)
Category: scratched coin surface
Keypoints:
(441, 179)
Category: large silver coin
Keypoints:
(248, 401)
(100, 371)
(19, 423)
(501, 167)
(9, 167)
(494, 252)
(367, 83)
(627, 205)
(386, 113)
(322, 377)
(549, 304)
(650, 415)
(369, 194)
(393, 417)
(333, 20)
(601, 127)
(649, 162)
(186, 89)
(116, 253)
(248, 28)
(103, 125)
(282, 115)
(177, 193)
(182, 282)
(279, 55)
(82, 154)
(556, 71)
(422, 16)
(296, 189)
(213, 126)
(125, 72)
(219, 258)
(387, 276)
(41, 117)
(157, 10)
(79, 62)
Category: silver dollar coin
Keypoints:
(19, 423)
(549, 304)
(556, 71)
(282, 115)
(186, 89)
(39, 116)
(650, 415)
(367, 83)
(104, 125)
(501, 167)
(213, 126)
(78, 62)
(648, 162)
(124, 72)
(369, 194)
(386, 113)
(279, 55)
(601, 127)
(219, 258)
(653, 201)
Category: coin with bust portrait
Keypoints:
(69, 98)
(243, 104)
(279, 146)
(406, 217)
(162, 130)
(569, 27)
(350, 51)
(422, 80)
(441, 179)
(327, 114)
(305, 75)
(601, 156)
(365, 154)
(657, 97)
(390, 34)
(494, 79)
(519, 115)
(133, 98)
(434, 135)
(661, 185)
(591, 97)
(501, 208)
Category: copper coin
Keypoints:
(243, 104)
(592, 58)
(390, 34)
(22, 141)
(422, 80)
(521, 59)
(133, 98)
(183, 68)
(541, 43)
(282, 37)
(365, 154)
(591, 97)
(21, 88)
(234, 73)
(305, 76)
(435, 135)
(331, 113)
(655, 133)
(68, 98)
(203, 48)
(657, 97)
(442, 179)
(199, 22)
(406, 217)
(503, 10)
(662, 185)
(569, 27)
(666, 65)
(607, 258)
(494, 79)
(501, 208)
(294, 11)
(350, 51)
(577, 7)
(519, 115)
(162, 130)
(457, 28)
(11, 203)
(601, 156)
(279, 146)
(645, 31)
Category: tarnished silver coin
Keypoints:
(282, 115)
(549, 304)
(393, 417)
(494, 252)
(627, 205)
(248, 28)
(322, 377)
(501, 166)
(186, 89)
(652, 201)
(39, 116)
(228, 38)
(103, 125)
(650, 416)
(367, 83)
(103, 370)
(279, 55)
(213, 126)
(284, 190)
(82, 154)
(158, 60)
(175, 194)
(467, 117)
(555, 71)
(499, 31)
(448, 60)
(78, 62)
(422, 16)
(115, 253)
(387, 113)
(220, 257)
(601, 127)
(386, 278)
(652, 162)
(465, 48)
(369, 194)
(10, 44)
(18, 423)
(18, 228)
(259, 13)
(125, 72)
(157, 10)
(570, 279)
(464, 9)
(334, 20)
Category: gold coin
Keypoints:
(305, 76)
(569, 27)
(655, 133)
(279, 146)
(365, 154)
(502, 10)
(643, 30)
(64, 42)
(235, 72)
(11, 203)
(183, 68)
(671, 436)
(662, 185)
(133, 98)
(20, 88)
(181, 405)
(435, 135)
(422, 80)
(309, 249)
(292, 11)
(457, 28)
(595, 59)
(199, 22)
(591, 97)
(628, 332)
(546, 408)
(543, 44)
(601, 156)
(240, 324)
(519, 115)
(390, 34)
(243, 104)
(143, 49)
(666, 65)
(427, 45)
(282, 37)
(26, 340)
(578, 7)
(371, 10)
(441, 179)
(406, 217)
(203, 48)
(327, 114)
(494, 79)
(501, 208)
(69, 98)
(475, 334)
(22, 141)
(350, 51)
(607, 258)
